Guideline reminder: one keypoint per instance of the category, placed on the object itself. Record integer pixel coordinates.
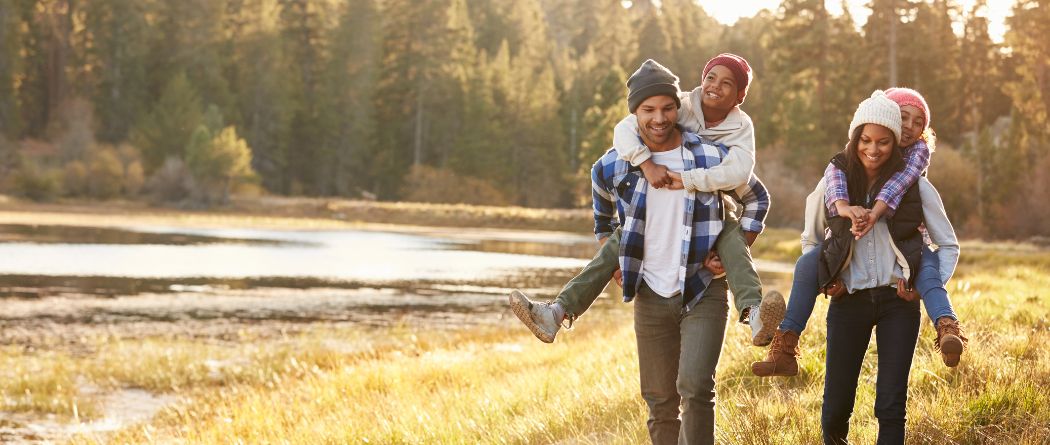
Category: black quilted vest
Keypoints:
(903, 226)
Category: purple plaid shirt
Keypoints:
(916, 161)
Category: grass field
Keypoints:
(495, 383)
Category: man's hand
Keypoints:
(906, 294)
(713, 263)
(836, 289)
(656, 174)
(676, 181)
(618, 278)
(750, 237)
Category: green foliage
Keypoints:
(166, 130)
(344, 98)
(218, 162)
(956, 180)
(105, 173)
(10, 67)
(118, 56)
(36, 183)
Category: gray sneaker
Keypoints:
(538, 317)
(766, 317)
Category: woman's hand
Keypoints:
(906, 294)
(618, 278)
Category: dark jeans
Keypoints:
(804, 290)
(850, 320)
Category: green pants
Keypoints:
(579, 294)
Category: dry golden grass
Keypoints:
(498, 384)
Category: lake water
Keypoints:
(343, 255)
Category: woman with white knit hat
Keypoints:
(937, 266)
(874, 271)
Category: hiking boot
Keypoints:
(765, 318)
(538, 317)
(781, 358)
(950, 340)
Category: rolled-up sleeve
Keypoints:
(755, 199)
(603, 202)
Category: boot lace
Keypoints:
(951, 327)
(778, 345)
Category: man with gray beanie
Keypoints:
(680, 308)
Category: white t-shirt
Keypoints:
(664, 211)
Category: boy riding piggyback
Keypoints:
(712, 111)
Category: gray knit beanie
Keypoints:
(878, 109)
(652, 79)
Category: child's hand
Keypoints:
(905, 293)
(676, 181)
(656, 174)
(618, 278)
(836, 289)
(861, 219)
(858, 234)
(713, 263)
(873, 217)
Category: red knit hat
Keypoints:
(738, 66)
(908, 96)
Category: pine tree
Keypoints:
(166, 130)
(262, 81)
(188, 39)
(10, 69)
(43, 67)
(800, 66)
(351, 76)
(694, 38)
(1028, 28)
(653, 42)
(883, 37)
(931, 68)
(119, 46)
(305, 51)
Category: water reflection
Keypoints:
(43, 234)
(54, 259)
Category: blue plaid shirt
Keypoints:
(617, 185)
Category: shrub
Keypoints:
(75, 179)
(105, 173)
(787, 190)
(172, 182)
(36, 183)
(429, 184)
(956, 180)
(134, 178)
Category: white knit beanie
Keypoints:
(878, 109)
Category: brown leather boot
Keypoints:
(950, 340)
(781, 358)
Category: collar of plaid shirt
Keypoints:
(702, 222)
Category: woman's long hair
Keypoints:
(857, 177)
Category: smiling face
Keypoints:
(656, 121)
(720, 89)
(912, 124)
(874, 148)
